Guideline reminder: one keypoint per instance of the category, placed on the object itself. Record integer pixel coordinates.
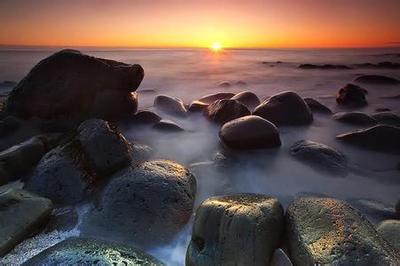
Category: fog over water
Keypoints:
(192, 73)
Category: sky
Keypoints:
(200, 23)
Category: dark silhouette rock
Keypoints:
(280, 258)
(197, 106)
(355, 118)
(168, 126)
(387, 118)
(242, 229)
(352, 95)
(285, 108)
(381, 65)
(210, 98)
(146, 118)
(170, 105)
(223, 111)
(247, 98)
(8, 125)
(224, 84)
(390, 231)
(383, 109)
(250, 132)
(78, 87)
(377, 79)
(316, 106)
(324, 67)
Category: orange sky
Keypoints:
(199, 23)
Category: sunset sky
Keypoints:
(199, 23)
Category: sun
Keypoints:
(216, 47)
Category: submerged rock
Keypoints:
(170, 105)
(141, 152)
(224, 84)
(323, 67)
(210, 98)
(352, 95)
(104, 90)
(21, 215)
(380, 138)
(242, 229)
(285, 108)
(321, 157)
(381, 65)
(146, 204)
(377, 79)
(328, 231)
(355, 118)
(168, 126)
(248, 99)
(390, 231)
(223, 111)
(316, 106)
(387, 118)
(83, 251)
(250, 132)
(197, 106)
(146, 118)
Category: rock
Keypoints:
(280, 259)
(352, 95)
(168, 126)
(147, 204)
(242, 229)
(374, 210)
(383, 109)
(387, 118)
(223, 111)
(381, 65)
(355, 118)
(250, 132)
(326, 231)
(316, 106)
(62, 219)
(380, 138)
(103, 91)
(19, 159)
(320, 157)
(210, 98)
(104, 146)
(247, 98)
(8, 125)
(146, 118)
(170, 105)
(197, 106)
(224, 84)
(377, 79)
(241, 83)
(21, 215)
(390, 231)
(84, 251)
(285, 108)
(397, 207)
(324, 66)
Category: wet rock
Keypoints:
(390, 231)
(285, 108)
(352, 95)
(250, 132)
(147, 204)
(377, 79)
(380, 138)
(387, 118)
(242, 229)
(320, 157)
(355, 118)
(223, 111)
(224, 84)
(374, 210)
(146, 118)
(208, 99)
(58, 80)
(83, 251)
(170, 105)
(328, 231)
(168, 126)
(316, 106)
(280, 259)
(104, 146)
(197, 106)
(62, 219)
(248, 99)
(21, 215)
(324, 66)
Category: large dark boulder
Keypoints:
(168, 126)
(145, 204)
(146, 118)
(380, 138)
(241, 229)
(377, 79)
(250, 132)
(21, 215)
(321, 157)
(84, 251)
(210, 98)
(387, 118)
(72, 85)
(352, 95)
(285, 109)
(170, 105)
(390, 231)
(327, 231)
(197, 106)
(355, 118)
(223, 111)
(316, 106)
(247, 98)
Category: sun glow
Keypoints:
(216, 47)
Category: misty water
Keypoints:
(192, 73)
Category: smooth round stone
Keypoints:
(352, 95)
(146, 118)
(170, 105)
(223, 111)
(197, 106)
(377, 79)
(355, 118)
(247, 98)
(250, 132)
(387, 118)
(168, 126)
(316, 106)
(210, 98)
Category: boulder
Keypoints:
(84, 251)
(327, 231)
(390, 231)
(168, 126)
(374, 210)
(21, 215)
(383, 109)
(250, 132)
(320, 157)
(377, 79)
(247, 98)
(316, 106)
(9, 124)
(170, 105)
(380, 138)
(148, 203)
(78, 87)
(397, 207)
(387, 118)
(355, 118)
(210, 98)
(224, 84)
(242, 229)
(285, 109)
(197, 106)
(223, 111)
(280, 259)
(104, 146)
(352, 95)
(146, 118)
